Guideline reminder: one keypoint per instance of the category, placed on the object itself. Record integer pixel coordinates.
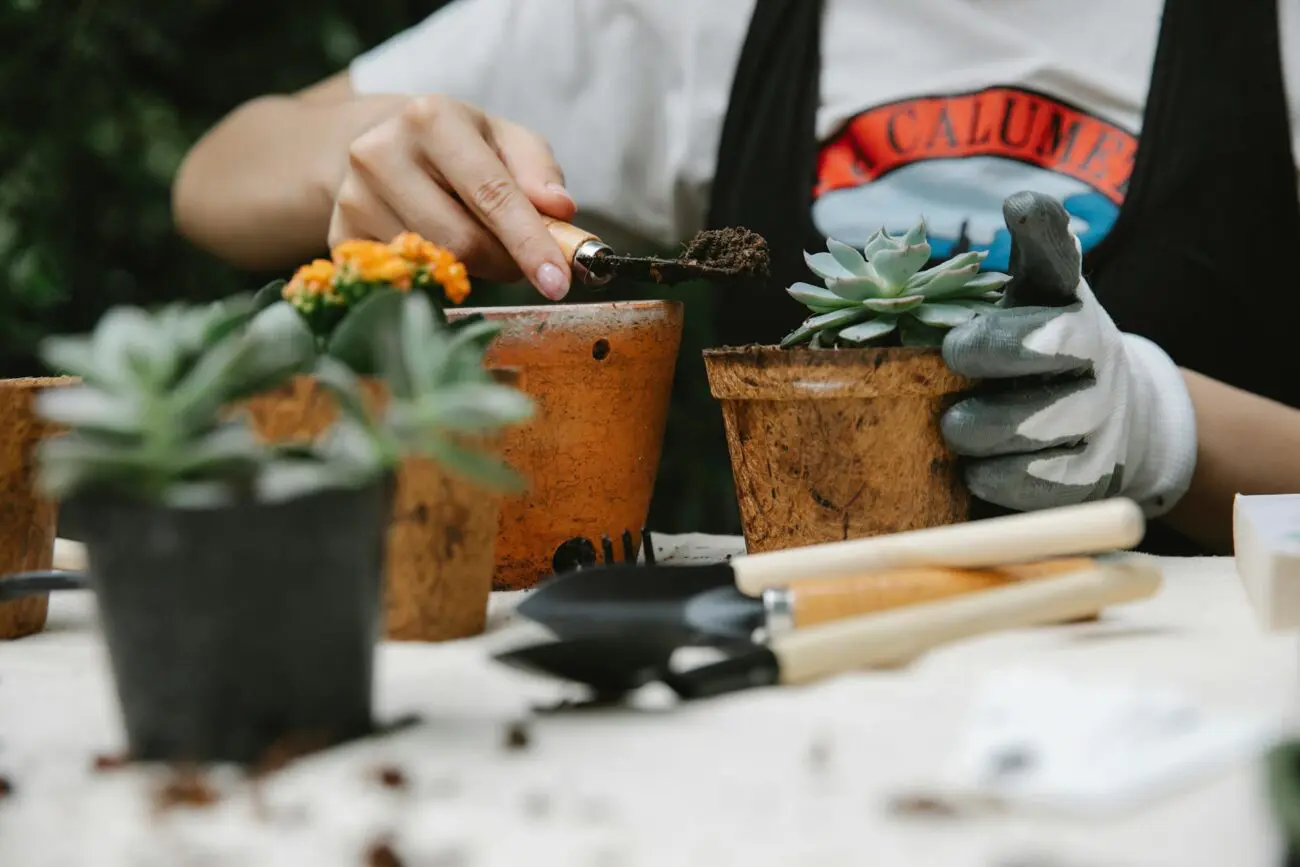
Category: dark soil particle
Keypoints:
(186, 787)
(735, 249)
(6, 788)
(518, 737)
(382, 854)
(391, 778)
(105, 762)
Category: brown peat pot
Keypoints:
(441, 542)
(28, 522)
(833, 444)
(602, 377)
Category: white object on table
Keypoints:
(1266, 544)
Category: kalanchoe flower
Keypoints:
(881, 295)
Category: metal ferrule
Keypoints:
(778, 603)
(587, 251)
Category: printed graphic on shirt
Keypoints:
(953, 159)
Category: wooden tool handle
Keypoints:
(900, 635)
(821, 600)
(1107, 525)
(69, 555)
(568, 236)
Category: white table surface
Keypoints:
(726, 781)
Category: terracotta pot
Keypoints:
(28, 523)
(602, 377)
(829, 445)
(441, 542)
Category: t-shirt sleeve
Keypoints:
(613, 85)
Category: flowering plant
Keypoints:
(345, 298)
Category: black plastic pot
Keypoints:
(234, 630)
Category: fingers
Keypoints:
(451, 138)
(1046, 260)
(361, 214)
(1025, 341)
(1018, 481)
(529, 159)
(1000, 423)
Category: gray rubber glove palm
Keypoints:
(1072, 409)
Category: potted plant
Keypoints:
(442, 542)
(240, 582)
(835, 434)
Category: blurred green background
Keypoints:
(99, 101)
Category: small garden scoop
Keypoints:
(612, 664)
(718, 256)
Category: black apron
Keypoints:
(1196, 259)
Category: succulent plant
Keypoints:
(153, 417)
(348, 297)
(149, 418)
(882, 296)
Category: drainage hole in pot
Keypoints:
(600, 349)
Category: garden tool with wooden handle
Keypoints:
(594, 263)
(613, 663)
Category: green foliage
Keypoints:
(884, 295)
(151, 418)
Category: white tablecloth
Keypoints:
(728, 781)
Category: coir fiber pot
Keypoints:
(441, 542)
(833, 444)
(601, 376)
(234, 630)
(28, 522)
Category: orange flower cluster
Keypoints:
(356, 267)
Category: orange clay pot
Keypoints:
(441, 542)
(834, 444)
(602, 378)
(28, 522)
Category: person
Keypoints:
(1133, 163)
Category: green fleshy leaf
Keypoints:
(915, 235)
(374, 317)
(859, 288)
(282, 346)
(467, 408)
(87, 408)
(868, 331)
(948, 283)
(848, 258)
(943, 315)
(826, 266)
(487, 470)
(961, 260)
(268, 295)
(817, 299)
(896, 267)
(878, 241)
(988, 281)
(70, 356)
(834, 319)
(894, 305)
(977, 304)
(422, 353)
(207, 387)
(230, 450)
(345, 386)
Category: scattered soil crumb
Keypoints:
(392, 777)
(921, 805)
(734, 249)
(537, 805)
(105, 762)
(6, 788)
(185, 787)
(518, 737)
(382, 854)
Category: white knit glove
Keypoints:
(1071, 408)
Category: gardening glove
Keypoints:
(1071, 409)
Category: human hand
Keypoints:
(465, 180)
(1072, 409)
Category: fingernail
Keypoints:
(551, 281)
(559, 190)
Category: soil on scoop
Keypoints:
(734, 249)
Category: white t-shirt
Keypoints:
(929, 108)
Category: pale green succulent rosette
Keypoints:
(881, 295)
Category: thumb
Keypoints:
(1046, 263)
(529, 159)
